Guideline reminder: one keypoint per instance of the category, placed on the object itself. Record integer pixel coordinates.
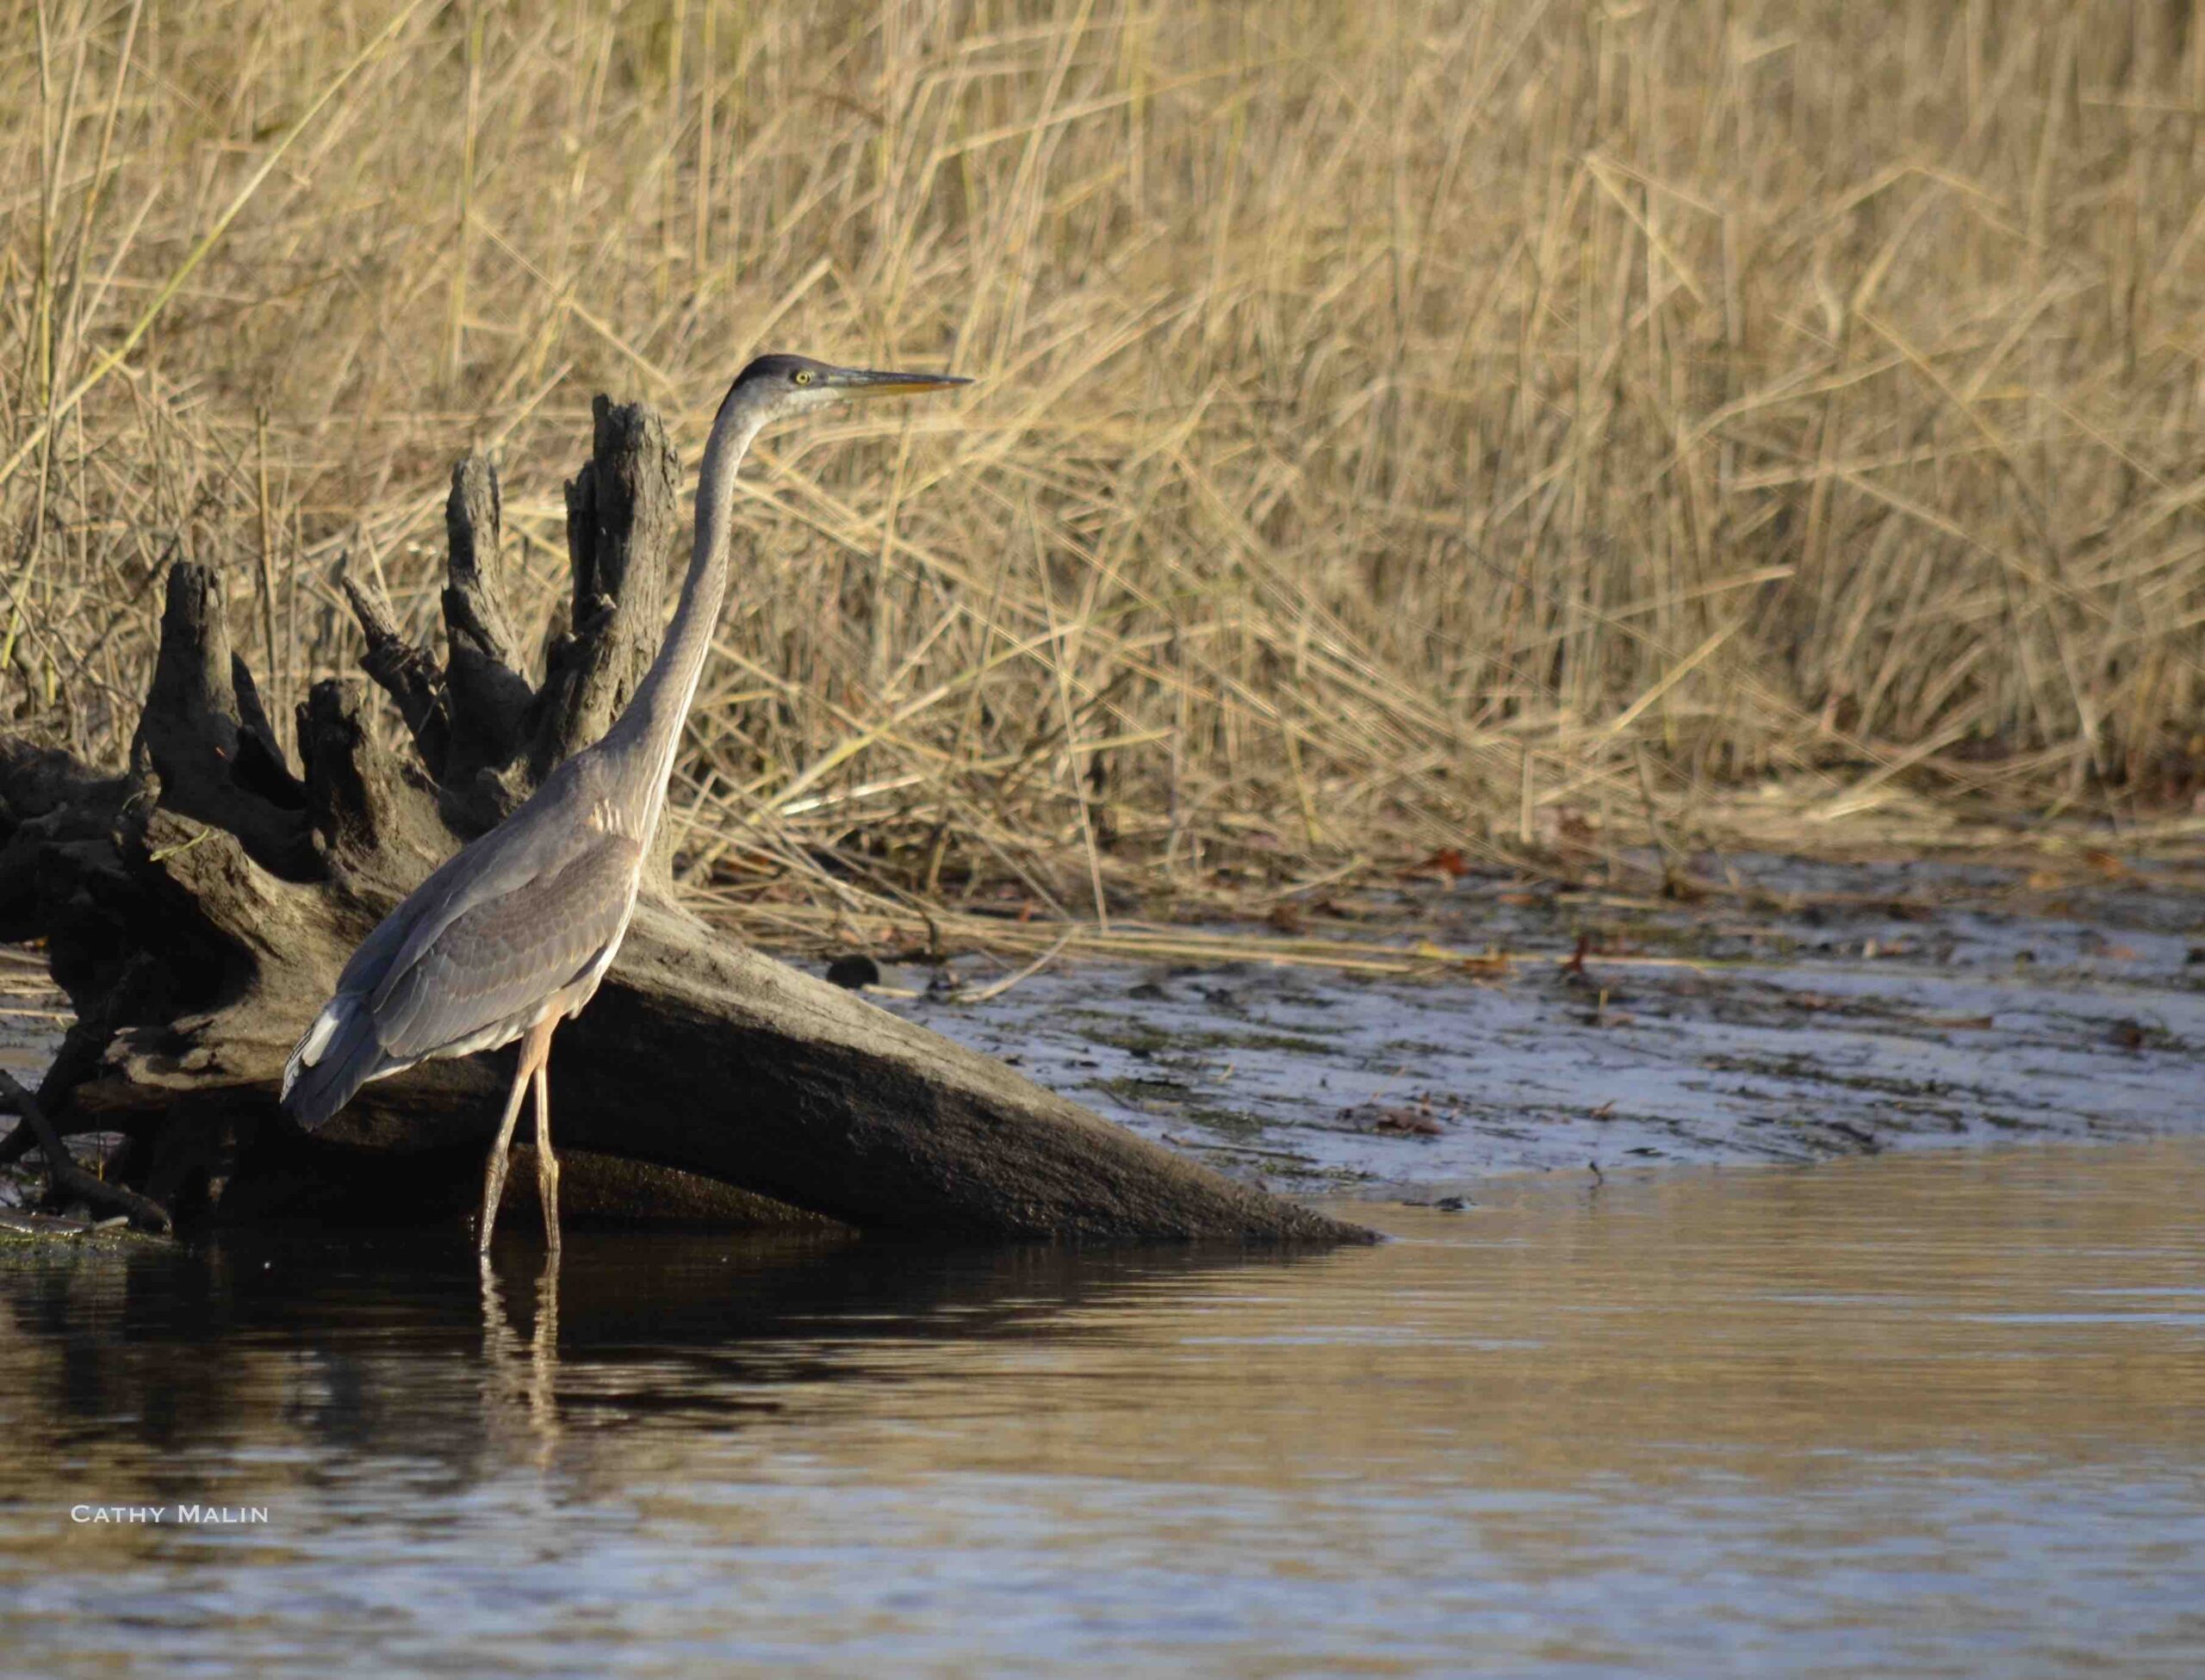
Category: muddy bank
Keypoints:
(1818, 1010)
(1821, 1010)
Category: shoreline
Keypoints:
(1848, 1009)
(1823, 1010)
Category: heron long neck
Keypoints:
(643, 740)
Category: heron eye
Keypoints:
(801, 375)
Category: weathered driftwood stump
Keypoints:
(198, 907)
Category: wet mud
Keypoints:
(1818, 1011)
(1812, 1011)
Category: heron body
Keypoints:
(514, 932)
(504, 935)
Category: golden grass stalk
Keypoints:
(1398, 424)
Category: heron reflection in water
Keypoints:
(514, 933)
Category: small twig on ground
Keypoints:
(65, 1178)
(987, 993)
(1238, 1149)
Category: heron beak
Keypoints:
(870, 383)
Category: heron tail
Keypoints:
(339, 1053)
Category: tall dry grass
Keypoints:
(1404, 425)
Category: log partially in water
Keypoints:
(199, 909)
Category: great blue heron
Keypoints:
(513, 933)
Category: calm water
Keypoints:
(1919, 1415)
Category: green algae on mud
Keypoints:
(21, 1230)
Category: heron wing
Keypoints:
(507, 952)
(545, 834)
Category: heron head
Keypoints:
(777, 387)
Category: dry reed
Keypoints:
(1405, 429)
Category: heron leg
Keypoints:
(532, 1049)
(494, 1176)
(547, 1164)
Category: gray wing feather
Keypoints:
(470, 957)
(505, 955)
(503, 861)
(503, 958)
(542, 838)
